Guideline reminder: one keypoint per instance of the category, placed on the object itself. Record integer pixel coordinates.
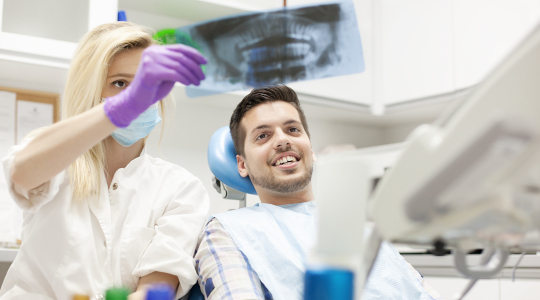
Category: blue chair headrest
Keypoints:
(222, 161)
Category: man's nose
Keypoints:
(281, 139)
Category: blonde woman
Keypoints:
(99, 212)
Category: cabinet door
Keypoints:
(415, 49)
(486, 31)
(63, 20)
(49, 28)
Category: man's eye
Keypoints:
(120, 84)
(261, 136)
(294, 129)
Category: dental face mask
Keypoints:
(138, 128)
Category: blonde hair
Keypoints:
(86, 79)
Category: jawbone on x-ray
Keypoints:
(276, 47)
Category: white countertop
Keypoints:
(8, 255)
(426, 264)
(431, 265)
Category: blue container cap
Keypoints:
(328, 283)
(122, 16)
(160, 292)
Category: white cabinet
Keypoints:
(62, 20)
(485, 31)
(40, 37)
(412, 49)
(416, 48)
(430, 48)
(50, 28)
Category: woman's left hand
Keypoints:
(138, 295)
(146, 282)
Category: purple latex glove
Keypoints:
(159, 69)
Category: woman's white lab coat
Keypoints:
(148, 220)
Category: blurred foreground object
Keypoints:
(472, 179)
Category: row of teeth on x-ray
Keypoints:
(294, 51)
(259, 32)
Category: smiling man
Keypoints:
(259, 252)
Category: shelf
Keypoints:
(24, 44)
(32, 72)
(443, 266)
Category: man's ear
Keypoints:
(313, 155)
(242, 168)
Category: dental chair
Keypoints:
(222, 161)
(226, 180)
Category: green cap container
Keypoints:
(117, 294)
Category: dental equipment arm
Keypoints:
(475, 176)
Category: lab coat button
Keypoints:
(115, 186)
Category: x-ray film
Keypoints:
(276, 47)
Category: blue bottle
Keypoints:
(122, 16)
(160, 292)
(328, 283)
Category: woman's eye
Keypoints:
(119, 84)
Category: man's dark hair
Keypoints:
(255, 98)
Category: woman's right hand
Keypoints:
(159, 69)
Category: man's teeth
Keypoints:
(285, 160)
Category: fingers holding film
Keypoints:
(189, 52)
(171, 63)
(181, 68)
(193, 66)
(187, 67)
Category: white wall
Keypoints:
(398, 133)
(186, 139)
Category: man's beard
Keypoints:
(286, 186)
